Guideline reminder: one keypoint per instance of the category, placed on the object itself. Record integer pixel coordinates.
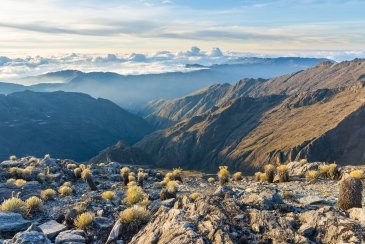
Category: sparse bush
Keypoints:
(131, 178)
(132, 183)
(108, 195)
(13, 158)
(168, 177)
(125, 174)
(350, 192)
(65, 191)
(13, 204)
(87, 176)
(33, 204)
(211, 180)
(312, 175)
(237, 176)
(283, 173)
(172, 186)
(195, 195)
(323, 170)
(357, 174)
(48, 194)
(270, 172)
(223, 175)
(135, 195)
(83, 220)
(134, 217)
(82, 166)
(170, 190)
(20, 182)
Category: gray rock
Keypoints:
(222, 191)
(70, 236)
(357, 214)
(31, 237)
(11, 163)
(13, 222)
(311, 200)
(52, 228)
(103, 223)
(297, 169)
(115, 233)
(265, 199)
(169, 202)
(155, 205)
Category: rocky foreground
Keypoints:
(100, 203)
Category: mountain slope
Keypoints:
(71, 125)
(249, 132)
(164, 113)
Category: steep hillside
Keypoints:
(164, 113)
(249, 132)
(71, 125)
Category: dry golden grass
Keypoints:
(13, 204)
(135, 195)
(134, 216)
(357, 173)
(13, 170)
(211, 180)
(12, 158)
(223, 172)
(65, 191)
(172, 186)
(132, 183)
(83, 220)
(77, 172)
(303, 161)
(34, 204)
(323, 169)
(312, 174)
(71, 166)
(237, 176)
(195, 195)
(20, 182)
(48, 194)
(269, 167)
(125, 170)
(282, 168)
(108, 195)
(82, 166)
(86, 173)
(67, 183)
(332, 165)
(131, 178)
(263, 177)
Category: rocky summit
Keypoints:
(46, 200)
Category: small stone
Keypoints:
(70, 236)
(103, 223)
(51, 228)
(169, 202)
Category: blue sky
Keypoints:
(277, 27)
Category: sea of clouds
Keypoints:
(14, 68)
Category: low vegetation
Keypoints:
(65, 191)
(350, 191)
(237, 176)
(108, 195)
(48, 194)
(33, 204)
(84, 220)
(13, 204)
(134, 217)
(135, 195)
(270, 172)
(223, 175)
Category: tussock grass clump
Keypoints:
(48, 194)
(132, 183)
(140, 177)
(13, 158)
(87, 176)
(71, 166)
(13, 204)
(303, 161)
(211, 180)
(237, 176)
(177, 174)
(11, 181)
(283, 173)
(82, 166)
(257, 176)
(78, 172)
(108, 195)
(20, 182)
(167, 178)
(270, 172)
(323, 170)
(135, 195)
(125, 173)
(131, 178)
(134, 217)
(350, 192)
(84, 220)
(223, 175)
(263, 177)
(65, 191)
(312, 175)
(169, 191)
(357, 174)
(34, 204)
(334, 172)
(195, 195)
(67, 183)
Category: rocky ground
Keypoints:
(244, 211)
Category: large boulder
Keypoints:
(13, 222)
(298, 169)
(32, 235)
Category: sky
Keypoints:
(44, 29)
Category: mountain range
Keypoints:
(64, 124)
(133, 92)
(314, 114)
